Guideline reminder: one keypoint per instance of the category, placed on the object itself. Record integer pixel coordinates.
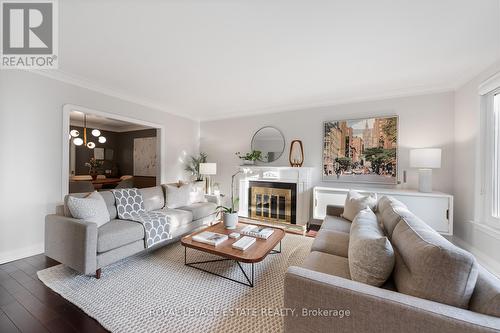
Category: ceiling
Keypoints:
(213, 59)
(76, 118)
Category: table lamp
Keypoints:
(208, 169)
(425, 159)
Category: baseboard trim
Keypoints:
(488, 262)
(8, 256)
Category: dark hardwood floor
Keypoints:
(27, 305)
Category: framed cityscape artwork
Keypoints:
(361, 150)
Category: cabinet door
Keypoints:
(322, 198)
(432, 210)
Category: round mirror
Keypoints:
(270, 142)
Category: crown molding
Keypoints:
(65, 77)
(383, 95)
(331, 101)
(110, 128)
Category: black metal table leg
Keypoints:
(249, 282)
(276, 251)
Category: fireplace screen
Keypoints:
(273, 204)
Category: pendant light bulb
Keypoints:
(78, 141)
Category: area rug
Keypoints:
(156, 292)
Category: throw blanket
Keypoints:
(156, 226)
(130, 206)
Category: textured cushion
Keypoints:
(178, 217)
(328, 264)
(486, 296)
(371, 257)
(336, 223)
(200, 209)
(117, 233)
(153, 198)
(390, 212)
(178, 196)
(428, 266)
(108, 197)
(91, 208)
(331, 242)
(128, 202)
(356, 202)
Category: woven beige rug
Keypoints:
(156, 292)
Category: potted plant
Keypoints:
(250, 158)
(193, 166)
(229, 215)
(94, 166)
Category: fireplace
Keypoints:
(272, 201)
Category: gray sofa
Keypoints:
(427, 267)
(86, 248)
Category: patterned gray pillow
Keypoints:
(92, 208)
(128, 202)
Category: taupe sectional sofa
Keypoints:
(87, 248)
(434, 287)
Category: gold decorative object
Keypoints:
(296, 156)
(271, 204)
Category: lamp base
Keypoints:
(425, 180)
(208, 185)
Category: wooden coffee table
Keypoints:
(254, 254)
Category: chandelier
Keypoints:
(75, 134)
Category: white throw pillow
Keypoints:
(178, 196)
(91, 208)
(356, 202)
(197, 192)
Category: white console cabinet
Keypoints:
(436, 209)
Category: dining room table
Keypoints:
(99, 183)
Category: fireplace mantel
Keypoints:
(299, 176)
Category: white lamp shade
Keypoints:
(425, 158)
(208, 168)
(96, 132)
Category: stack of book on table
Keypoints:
(257, 231)
(244, 243)
(211, 238)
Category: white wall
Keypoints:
(484, 243)
(31, 151)
(424, 121)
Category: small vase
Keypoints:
(248, 162)
(93, 173)
(230, 220)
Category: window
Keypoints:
(491, 148)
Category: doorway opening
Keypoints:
(103, 151)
